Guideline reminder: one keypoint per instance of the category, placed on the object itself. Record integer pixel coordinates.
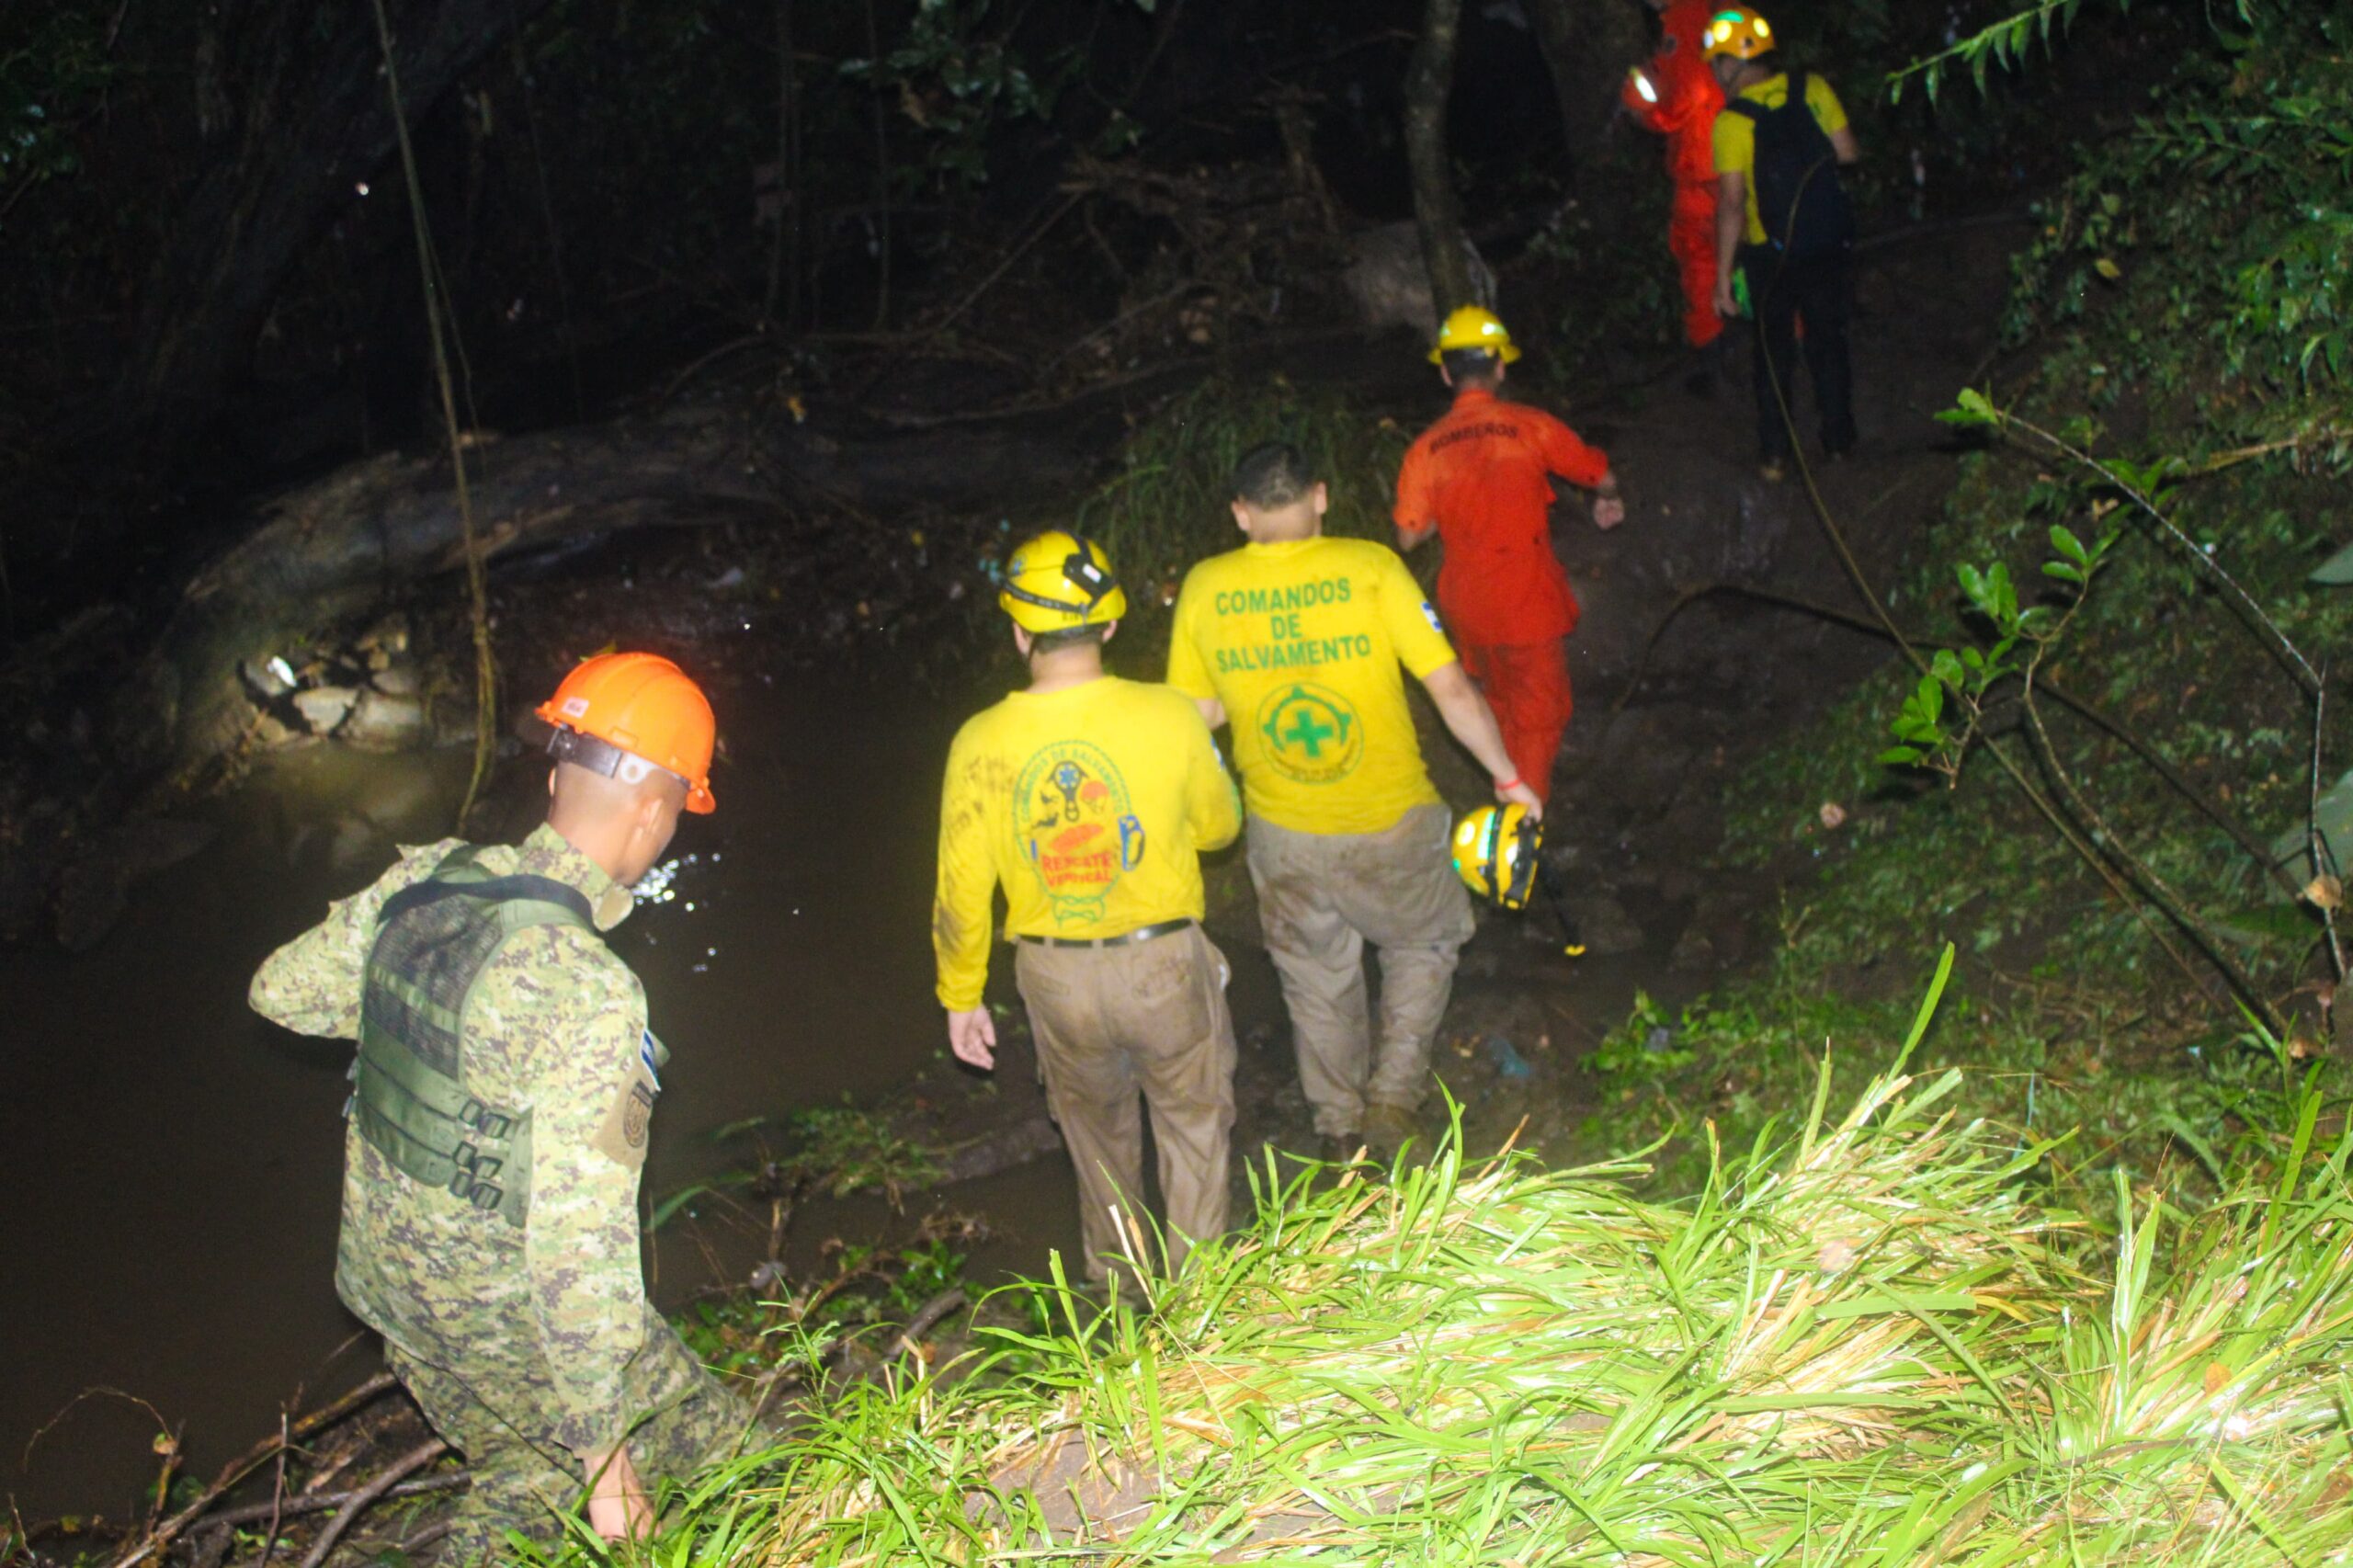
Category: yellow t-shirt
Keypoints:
(1089, 805)
(1736, 134)
(1300, 642)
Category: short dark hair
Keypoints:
(1470, 365)
(1272, 474)
(1064, 637)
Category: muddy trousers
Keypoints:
(1321, 898)
(504, 1422)
(1142, 1018)
(1692, 237)
(1527, 687)
(1820, 291)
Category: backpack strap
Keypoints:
(524, 899)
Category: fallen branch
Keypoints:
(243, 1465)
(319, 1503)
(416, 1458)
(927, 1318)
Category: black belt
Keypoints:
(1141, 934)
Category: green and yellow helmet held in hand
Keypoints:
(1495, 853)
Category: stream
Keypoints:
(185, 1256)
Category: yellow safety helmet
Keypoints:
(1058, 581)
(1495, 853)
(1473, 326)
(1740, 31)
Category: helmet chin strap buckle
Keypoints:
(567, 745)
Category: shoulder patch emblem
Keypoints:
(1430, 614)
(629, 1124)
(637, 1116)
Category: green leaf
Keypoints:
(1973, 584)
(1971, 408)
(2062, 571)
(2064, 542)
(669, 1207)
(2336, 572)
(1901, 757)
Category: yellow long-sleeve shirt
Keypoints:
(1302, 641)
(1089, 805)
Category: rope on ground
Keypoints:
(436, 309)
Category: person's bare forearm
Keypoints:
(1469, 719)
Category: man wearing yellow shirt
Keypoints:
(1782, 221)
(1296, 639)
(1088, 798)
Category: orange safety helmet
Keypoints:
(616, 709)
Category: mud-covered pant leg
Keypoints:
(515, 1484)
(522, 1479)
(1320, 959)
(1180, 1035)
(689, 1417)
(1526, 686)
(1775, 375)
(1399, 889)
(1322, 897)
(1091, 1089)
(1692, 237)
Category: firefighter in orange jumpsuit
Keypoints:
(1481, 479)
(1676, 96)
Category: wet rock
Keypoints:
(398, 679)
(95, 888)
(325, 708)
(1386, 277)
(1602, 924)
(384, 721)
(1694, 949)
(271, 732)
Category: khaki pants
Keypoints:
(1146, 1017)
(1321, 898)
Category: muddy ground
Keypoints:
(187, 1261)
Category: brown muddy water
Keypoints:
(173, 1162)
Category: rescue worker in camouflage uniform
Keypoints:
(505, 1083)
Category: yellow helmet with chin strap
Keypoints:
(1737, 30)
(1058, 581)
(1495, 853)
(1475, 327)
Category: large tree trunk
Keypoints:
(1429, 81)
(344, 544)
(1584, 45)
(298, 116)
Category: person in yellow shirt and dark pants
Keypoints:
(1296, 640)
(1088, 798)
(1782, 223)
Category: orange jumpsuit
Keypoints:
(1689, 102)
(1481, 475)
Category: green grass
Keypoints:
(1866, 1339)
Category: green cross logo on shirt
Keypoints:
(1312, 733)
